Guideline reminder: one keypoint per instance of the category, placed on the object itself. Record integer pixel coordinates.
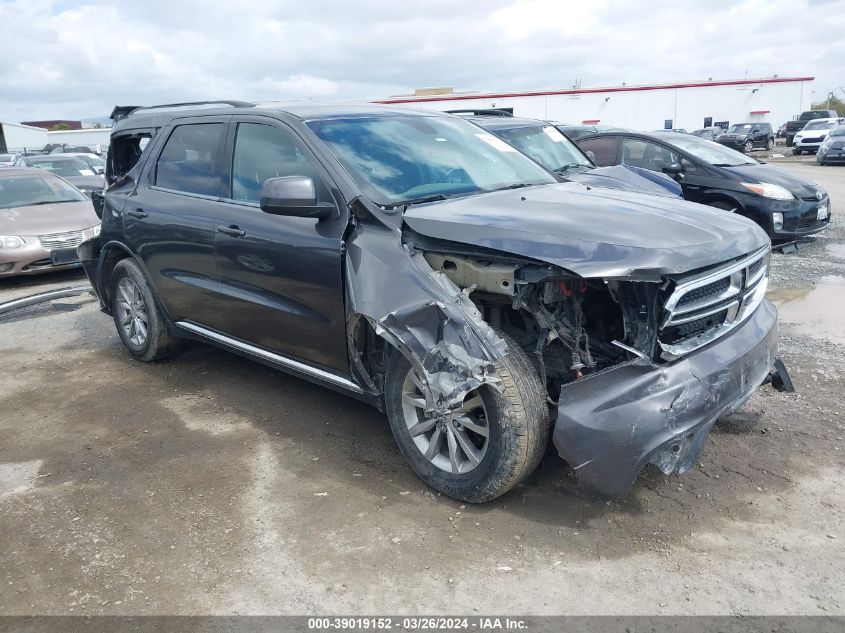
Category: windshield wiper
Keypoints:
(518, 185)
(435, 197)
(564, 168)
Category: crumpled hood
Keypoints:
(761, 172)
(594, 232)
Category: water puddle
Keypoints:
(837, 250)
(818, 311)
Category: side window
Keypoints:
(654, 157)
(189, 159)
(263, 152)
(602, 150)
(633, 152)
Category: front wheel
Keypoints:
(796, 152)
(748, 146)
(770, 143)
(483, 448)
(137, 317)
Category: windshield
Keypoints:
(838, 131)
(710, 152)
(819, 125)
(740, 128)
(6, 158)
(547, 146)
(64, 167)
(24, 191)
(814, 114)
(93, 161)
(398, 159)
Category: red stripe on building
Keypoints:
(546, 93)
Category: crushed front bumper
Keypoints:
(611, 424)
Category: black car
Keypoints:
(785, 205)
(423, 265)
(576, 131)
(553, 150)
(73, 169)
(747, 136)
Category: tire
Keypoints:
(796, 151)
(137, 317)
(516, 420)
(723, 205)
(770, 144)
(747, 147)
(789, 141)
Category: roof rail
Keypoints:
(121, 112)
(482, 112)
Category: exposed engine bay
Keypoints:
(569, 326)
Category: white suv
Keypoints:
(813, 135)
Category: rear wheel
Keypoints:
(137, 317)
(485, 447)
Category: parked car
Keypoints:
(42, 221)
(783, 204)
(542, 142)
(746, 136)
(7, 160)
(677, 130)
(95, 162)
(71, 168)
(832, 149)
(708, 133)
(577, 131)
(781, 133)
(793, 127)
(810, 138)
(427, 267)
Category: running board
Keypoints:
(277, 359)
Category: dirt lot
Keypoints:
(210, 484)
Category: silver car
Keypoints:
(43, 218)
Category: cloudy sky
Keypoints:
(78, 58)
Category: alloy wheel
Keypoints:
(132, 311)
(455, 443)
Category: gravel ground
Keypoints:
(210, 484)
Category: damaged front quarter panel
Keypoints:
(427, 317)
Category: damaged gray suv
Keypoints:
(415, 261)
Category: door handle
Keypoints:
(232, 229)
(137, 213)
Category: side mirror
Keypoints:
(98, 199)
(99, 170)
(591, 155)
(294, 196)
(673, 169)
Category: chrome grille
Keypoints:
(708, 305)
(61, 240)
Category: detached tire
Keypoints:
(137, 317)
(496, 439)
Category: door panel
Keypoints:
(281, 277)
(168, 218)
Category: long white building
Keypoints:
(690, 105)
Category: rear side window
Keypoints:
(188, 161)
(602, 150)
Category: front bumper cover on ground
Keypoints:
(611, 424)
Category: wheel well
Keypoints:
(709, 200)
(112, 256)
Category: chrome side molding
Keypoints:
(278, 359)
